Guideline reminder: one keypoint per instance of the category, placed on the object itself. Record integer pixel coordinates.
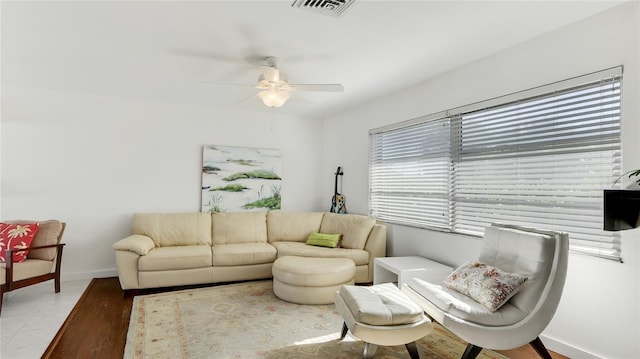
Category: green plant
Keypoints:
(230, 188)
(215, 203)
(632, 173)
(263, 174)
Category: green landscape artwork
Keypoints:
(240, 179)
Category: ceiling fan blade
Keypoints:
(205, 55)
(248, 98)
(317, 87)
(271, 74)
(227, 84)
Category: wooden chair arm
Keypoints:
(9, 252)
(9, 259)
(38, 247)
(47, 246)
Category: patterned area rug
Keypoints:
(246, 320)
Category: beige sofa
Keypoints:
(196, 248)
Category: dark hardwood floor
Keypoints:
(97, 326)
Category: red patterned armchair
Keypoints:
(42, 262)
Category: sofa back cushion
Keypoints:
(49, 232)
(354, 228)
(292, 227)
(174, 229)
(239, 227)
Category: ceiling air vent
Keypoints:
(333, 8)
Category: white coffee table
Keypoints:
(401, 269)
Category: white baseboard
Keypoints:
(566, 349)
(105, 273)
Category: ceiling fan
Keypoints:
(275, 90)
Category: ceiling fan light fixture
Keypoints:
(274, 89)
(274, 97)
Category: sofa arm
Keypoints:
(377, 242)
(136, 243)
(376, 245)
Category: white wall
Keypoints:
(600, 309)
(92, 161)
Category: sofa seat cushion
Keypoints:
(292, 226)
(243, 254)
(355, 229)
(27, 269)
(301, 249)
(451, 302)
(177, 257)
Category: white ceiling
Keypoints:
(167, 51)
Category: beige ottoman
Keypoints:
(308, 280)
(381, 315)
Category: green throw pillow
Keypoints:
(323, 239)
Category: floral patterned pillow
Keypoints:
(16, 236)
(485, 284)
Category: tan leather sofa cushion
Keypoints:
(292, 227)
(237, 254)
(27, 269)
(48, 233)
(239, 227)
(174, 229)
(176, 257)
(355, 229)
(359, 256)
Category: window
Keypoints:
(539, 158)
(409, 174)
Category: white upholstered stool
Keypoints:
(381, 315)
(309, 280)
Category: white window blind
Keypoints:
(539, 158)
(409, 174)
(541, 161)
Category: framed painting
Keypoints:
(240, 179)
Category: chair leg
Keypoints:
(413, 350)
(471, 352)
(1, 296)
(369, 350)
(540, 348)
(344, 330)
(56, 278)
(56, 282)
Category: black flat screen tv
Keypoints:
(621, 209)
